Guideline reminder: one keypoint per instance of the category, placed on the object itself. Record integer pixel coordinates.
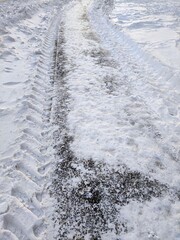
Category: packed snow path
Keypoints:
(107, 124)
(113, 145)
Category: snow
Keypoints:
(142, 93)
(121, 75)
(120, 112)
(154, 25)
(28, 30)
(159, 218)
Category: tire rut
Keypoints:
(29, 169)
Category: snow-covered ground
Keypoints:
(89, 120)
(119, 114)
(27, 35)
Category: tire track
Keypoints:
(25, 203)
